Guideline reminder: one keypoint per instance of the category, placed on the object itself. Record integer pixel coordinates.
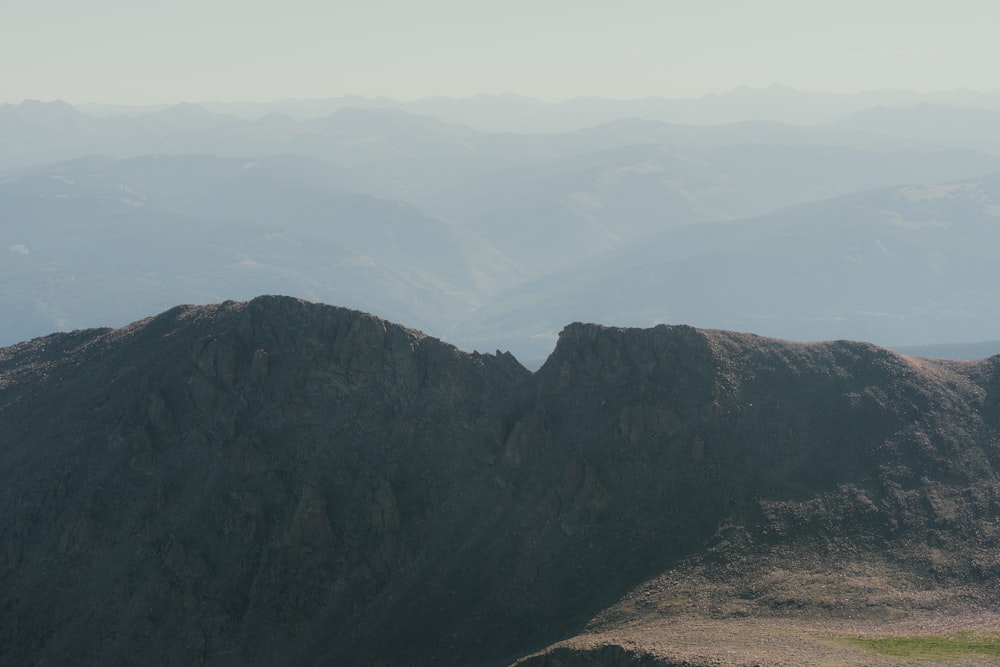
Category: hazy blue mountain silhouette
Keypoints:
(489, 239)
(521, 114)
(906, 265)
(99, 241)
(978, 129)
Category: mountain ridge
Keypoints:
(278, 481)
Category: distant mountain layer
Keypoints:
(281, 482)
(899, 266)
(513, 113)
(615, 236)
(971, 128)
(101, 241)
(494, 240)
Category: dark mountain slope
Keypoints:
(278, 482)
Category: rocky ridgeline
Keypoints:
(280, 482)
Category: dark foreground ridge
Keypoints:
(280, 482)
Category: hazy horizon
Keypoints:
(493, 222)
(113, 52)
(501, 95)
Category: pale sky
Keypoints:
(138, 52)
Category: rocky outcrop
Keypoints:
(280, 482)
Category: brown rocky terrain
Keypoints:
(280, 482)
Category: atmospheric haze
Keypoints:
(491, 173)
(113, 51)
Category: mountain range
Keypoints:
(896, 266)
(519, 114)
(494, 240)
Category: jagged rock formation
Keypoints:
(279, 482)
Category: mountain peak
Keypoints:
(34, 110)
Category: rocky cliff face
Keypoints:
(279, 482)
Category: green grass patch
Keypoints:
(933, 647)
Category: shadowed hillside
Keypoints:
(281, 482)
